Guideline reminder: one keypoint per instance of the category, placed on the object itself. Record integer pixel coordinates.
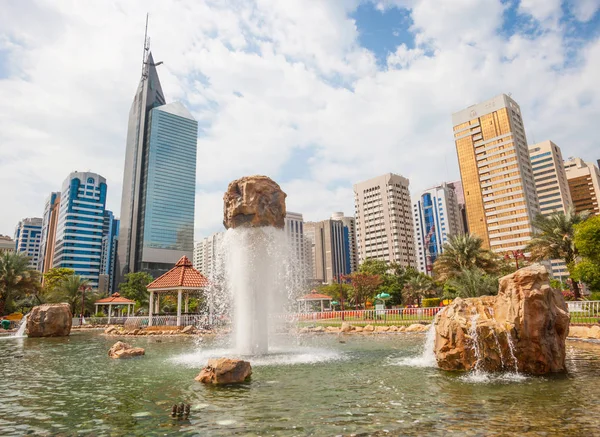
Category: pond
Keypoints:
(310, 385)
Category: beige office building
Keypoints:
(496, 173)
(326, 239)
(584, 185)
(350, 235)
(551, 186)
(7, 244)
(384, 224)
(206, 253)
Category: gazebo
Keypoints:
(183, 278)
(116, 300)
(315, 296)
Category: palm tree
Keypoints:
(464, 252)
(16, 279)
(70, 291)
(417, 287)
(472, 282)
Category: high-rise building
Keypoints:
(462, 208)
(384, 225)
(349, 240)
(49, 223)
(7, 244)
(159, 180)
(552, 187)
(584, 185)
(80, 225)
(436, 216)
(301, 261)
(206, 252)
(496, 173)
(108, 260)
(27, 239)
(327, 250)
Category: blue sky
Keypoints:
(318, 94)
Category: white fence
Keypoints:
(143, 321)
(584, 311)
(373, 317)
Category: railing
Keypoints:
(143, 321)
(584, 311)
(400, 316)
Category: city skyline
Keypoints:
(318, 116)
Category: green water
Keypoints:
(312, 386)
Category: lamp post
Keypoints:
(83, 289)
(515, 254)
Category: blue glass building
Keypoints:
(80, 225)
(28, 238)
(110, 231)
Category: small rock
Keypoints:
(346, 327)
(358, 329)
(304, 330)
(124, 350)
(318, 329)
(188, 330)
(393, 328)
(110, 330)
(369, 328)
(382, 328)
(225, 371)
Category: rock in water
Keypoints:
(50, 320)
(523, 328)
(125, 350)
(225, 371)
(254, 201)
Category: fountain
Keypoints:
(22, 327)
(254, 249)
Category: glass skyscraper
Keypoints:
(80, 225)
(157, 205)
(110, 233)
(27, 239)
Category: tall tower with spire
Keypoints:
(158, 200)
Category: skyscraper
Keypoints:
(49, 223)
(496, 173)
(327, 250)
(80, 225)
(110, 234)
(206, 252)
(301, 263)
(349, 240)
(27, 239)
(436, 217)
(584, 185)
(552, 187)
(462, 208)
(384, 224)
(159, 179)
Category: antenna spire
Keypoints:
(146, 48)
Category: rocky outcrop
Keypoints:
(254, 201)
(50, 320)
(225, 371)
(523, 328)
(125, 350)
(589, 332)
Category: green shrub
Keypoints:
(431, 302)
(595, 296)
(99, 314)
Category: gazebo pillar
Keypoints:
(179, 292)
(187, 302)
(96, 306)
(150, 308)
(322, 305)
(128, 310)
(109, 311)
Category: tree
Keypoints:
(16, 279)
(418, 287)
(464, 252)
(472, 282)
(339, 292)
(53, 278)
(135, 287)
(70, 291)
(373, 266)
(554, 238)
(587, 242)
(364, 286)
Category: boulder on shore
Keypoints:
(225, 371)
(125, 350)
(523, 328)
(50, 320)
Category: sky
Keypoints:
(317, 94)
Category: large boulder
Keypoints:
(523, 328)
(50, 320)
(225, 371)
(125, 350)
(254, 201)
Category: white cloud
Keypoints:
(267, 78)
(545, 11)
(584, 10)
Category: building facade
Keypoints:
(80, 225)
(206, 252)
(496, 173)
(349, 240)
(301, 261)
(108, 260)
(159, 179)
(384, 223)
(436, 216)
(462, 208)
(48, 239)
(584, 185)
(7, 244)
(552, 188)
(28, 235)
(327, 250)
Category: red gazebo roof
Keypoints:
(183, 275)
(314, 295)
(115, 298)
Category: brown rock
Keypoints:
(417, 327)
(358, 329)
(318, 329)
(368, 328)
(254, 201)
(188, 330)
(592, 332)
(124, 350)
(524, 327)
(50, 320)
(393, 328)
(304, 330)
(401, 328)
(346, 327)
(225, 371)
(110, 330)
(382, 329)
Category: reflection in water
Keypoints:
(321, 387)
